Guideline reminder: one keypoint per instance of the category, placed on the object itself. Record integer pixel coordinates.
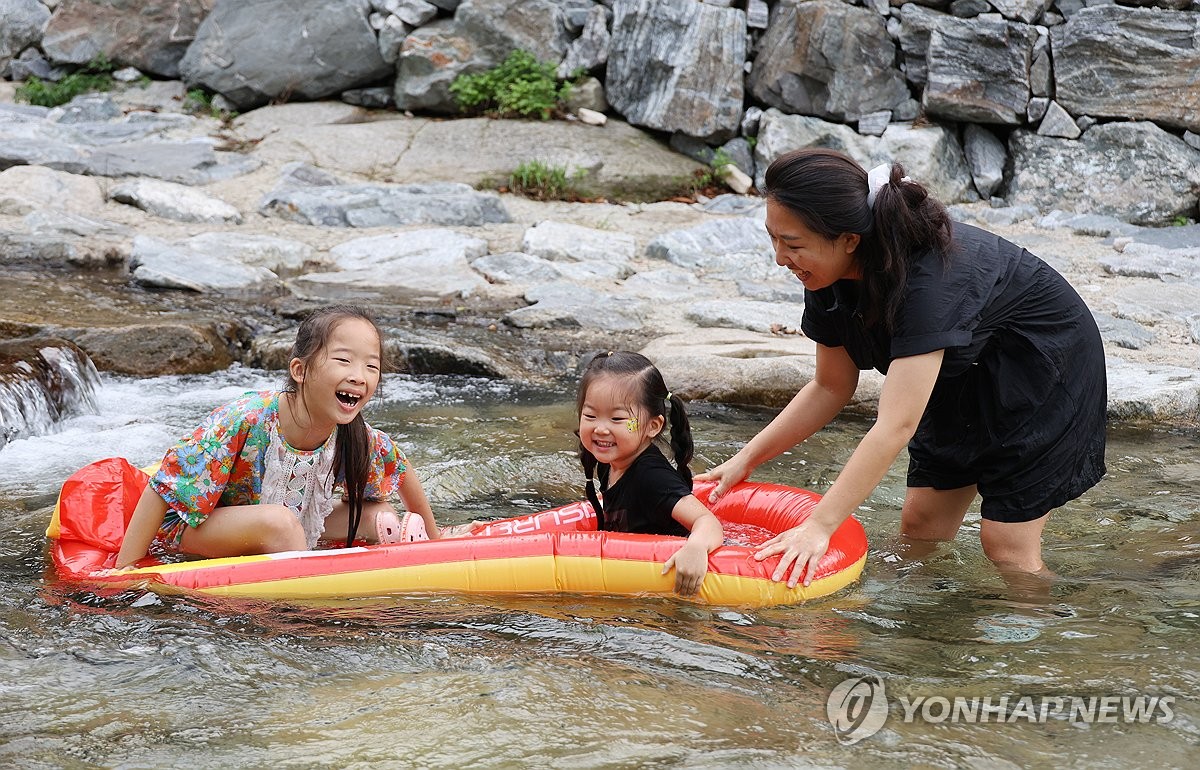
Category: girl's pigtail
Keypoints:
(589, 468)
(681, 437)
(352, 462)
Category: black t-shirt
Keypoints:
(990, 288)
(642, 499)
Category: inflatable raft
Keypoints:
(554, 551)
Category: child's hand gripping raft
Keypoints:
(279, 470)
(623, 407)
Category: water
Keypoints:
(34, 399)
(135, 680)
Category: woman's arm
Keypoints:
(691, 560)
(905, 395)
(412, 494)
(811, 409)
(143, 526)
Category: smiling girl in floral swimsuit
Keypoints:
(263, 473)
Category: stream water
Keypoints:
(135, 680)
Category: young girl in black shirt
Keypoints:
(623, 407)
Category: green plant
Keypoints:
(96, 75)
(1180, 221)
(539, 180)
(709, 177)
(197, 98)
(521, 86)
(197, 101)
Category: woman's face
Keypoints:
(816, 260)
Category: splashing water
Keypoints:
(37, 395)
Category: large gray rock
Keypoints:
(1169, 238)
(175, 266)
(1027, 11)
(1111, 61)
(428, 63)
(503, 26)
(753, 315)
(147, 350)
(32, 140)
(61, 250)
(978, 70)
(930, 154)
(25, 189)
(1136, 172)
(22, 23)
(916, 25)
(130, 147)
(618, 161)
(279, 255)
(432, 264)
(379, 205)
(589, 51)
(561, 305)
(779, 133)
(182, 162)
(741, 367)
(1148, 261)
(986, 156)
(480, 36)
(737, 247)
(515, 267)
(150, 36)
(1057, 122)
(86, 108)
(828, 59)
(174, 201)
(1151, 392)
(676, 65)
(560, 241)
(312, 50)
(1123, 332)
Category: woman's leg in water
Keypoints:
(931, 516)
(1014, 546)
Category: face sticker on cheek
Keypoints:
(632, 425)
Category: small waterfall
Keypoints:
(42, 382)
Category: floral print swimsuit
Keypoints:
(238, 457)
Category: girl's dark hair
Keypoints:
(647, 391)
(352, 447)
(828, 192)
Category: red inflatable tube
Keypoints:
(554, 551)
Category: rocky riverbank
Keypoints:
(216, 235)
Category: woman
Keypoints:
(994, 366)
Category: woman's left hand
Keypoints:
(801, 547)
(691, 565)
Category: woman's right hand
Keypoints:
(727, 475)
(800, 549)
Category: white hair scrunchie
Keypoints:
(877, 178)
